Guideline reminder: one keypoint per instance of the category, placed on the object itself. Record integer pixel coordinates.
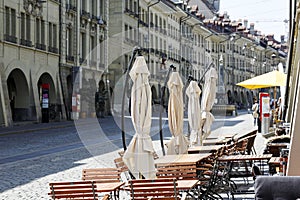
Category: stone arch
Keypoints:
(18, 92)
(46, 78)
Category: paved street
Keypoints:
(30, 159)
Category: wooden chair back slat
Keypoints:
(154, 189)
(104, 175)
(180, 172)
(73, 190)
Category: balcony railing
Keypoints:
(40, 46)
(53, 49)
(70, 58)
(85, 14)
(27, 43)
(10, 38)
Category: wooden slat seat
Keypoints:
(145, 189)
(102, 175)
(73, 190)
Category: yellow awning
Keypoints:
(270, 79)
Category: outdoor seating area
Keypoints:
(205, 172)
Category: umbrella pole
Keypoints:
(162, 108)
(126, 71)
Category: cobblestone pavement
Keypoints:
(31, 159)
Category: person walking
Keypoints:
(255, 111)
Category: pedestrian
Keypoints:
(255, 111)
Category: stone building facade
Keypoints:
(29, 57)
(82, 49)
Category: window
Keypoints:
(82, 46)
(50, 35)
(10, 25)
(93, 7)
(43, 32)
(28, 27)
(40, 34)
(52, 39)
(93, 51)
(25, 30)
(37, 31)
(22, 27)
(7, 21)
(54, 43)
(83, 5)
(69, 46)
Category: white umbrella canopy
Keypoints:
(208, 98)
(193, 91)
(178, 144)
(139, 155)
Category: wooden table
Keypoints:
(110, 187)
(219, 141)
(181, 159)
(204, 149)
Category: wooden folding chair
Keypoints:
(102, 175)
(73, 190)
(145, 189)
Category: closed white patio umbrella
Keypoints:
(208, 99)
(139, 154)
(178, 143)
(193, 91)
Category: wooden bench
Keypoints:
(145, 189)
(73, 190)
(102, 175)
(224, 110)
